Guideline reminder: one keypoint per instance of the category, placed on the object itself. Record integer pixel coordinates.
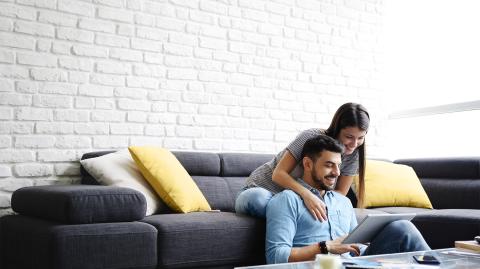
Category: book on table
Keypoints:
(471, 245)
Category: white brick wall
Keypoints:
(235, 75)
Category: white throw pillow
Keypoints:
(119, 169)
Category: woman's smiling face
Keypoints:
(351, 138)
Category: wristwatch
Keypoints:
(323, 247)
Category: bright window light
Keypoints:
(432, 63)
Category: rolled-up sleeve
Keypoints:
(281, 227)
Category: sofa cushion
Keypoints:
(208, 239)
(199, 163)
(441, 228)
(403, 209)
(204, 168)
(453, 193)
(220, 192)
(216, 191)
(76, 204)
(119, 169)
(389, 184)
(88, 179)
(169, 179)
(235, 184)
(241, 164)
(42, 244)
(196, 163)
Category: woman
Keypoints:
(349, 126)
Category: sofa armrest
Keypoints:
(80, 204)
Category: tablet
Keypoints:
(371, 225)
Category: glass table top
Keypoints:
(449, 258)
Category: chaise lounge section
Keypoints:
(453, 187)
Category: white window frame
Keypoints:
(435, 110)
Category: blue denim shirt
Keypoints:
(290, 224)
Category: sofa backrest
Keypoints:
(220, 176)
(449, 182)
(452, 168)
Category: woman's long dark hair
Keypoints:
(352, 115)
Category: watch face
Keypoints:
(323, 247)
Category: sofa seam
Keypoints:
(102, 235)
(222, 165)
(196, 261)
(182, 231)
(447, 221)
(478, 169)
(103, 194)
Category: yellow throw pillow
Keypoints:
(390, 184)
(169, 179)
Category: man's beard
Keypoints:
(320, 183)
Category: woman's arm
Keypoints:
(281, 176)
(343, 184)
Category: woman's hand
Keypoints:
(315, 206)
(336, 247)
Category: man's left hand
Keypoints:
(336, 247)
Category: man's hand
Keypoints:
(336, 247)
(315, 206)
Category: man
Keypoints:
(294, 235)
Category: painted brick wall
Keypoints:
(231, 75)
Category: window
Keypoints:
(431, 74)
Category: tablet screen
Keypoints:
(371, 225)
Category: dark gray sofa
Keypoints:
(88, 226)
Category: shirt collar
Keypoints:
(312, 189)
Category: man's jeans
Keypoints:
(398, 236)
(253, 201)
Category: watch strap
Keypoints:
(323, 247)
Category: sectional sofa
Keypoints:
(92, 226)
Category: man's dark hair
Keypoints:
(314, 146)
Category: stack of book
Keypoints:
(471, 245)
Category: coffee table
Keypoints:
(450, 258)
